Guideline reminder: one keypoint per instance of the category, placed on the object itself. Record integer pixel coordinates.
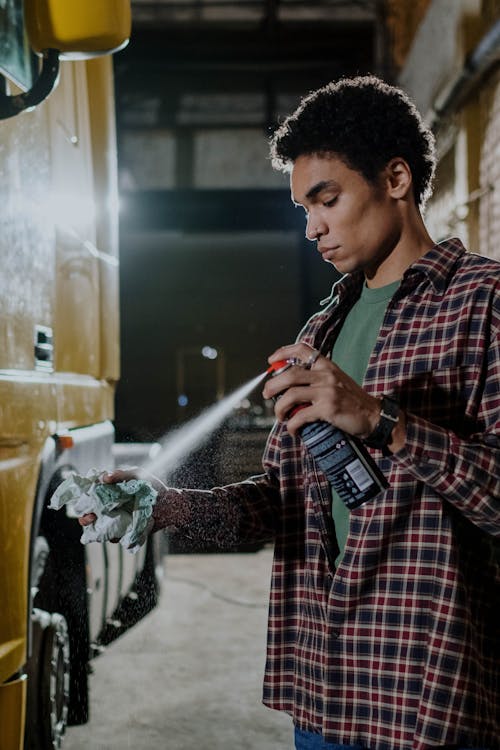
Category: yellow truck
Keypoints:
(60, 602)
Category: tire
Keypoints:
(48, 682)
(54, 699)
(63, 589)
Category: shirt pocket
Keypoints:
(446, 396)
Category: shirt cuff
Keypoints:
(428, 451)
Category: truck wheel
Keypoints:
(63, 589)
(48, 682)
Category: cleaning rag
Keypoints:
(123, 509)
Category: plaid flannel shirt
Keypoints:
(399, 647)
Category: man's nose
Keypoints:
(315, 228)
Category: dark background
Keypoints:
(212, 250)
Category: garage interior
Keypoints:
(213, 258)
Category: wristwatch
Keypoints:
(389, 417)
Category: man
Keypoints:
(383, 627)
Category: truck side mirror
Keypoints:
(58, 29)
(78, 29)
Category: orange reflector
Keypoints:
(64, 442)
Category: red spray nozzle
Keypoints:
(280, 365)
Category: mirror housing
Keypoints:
(78, 29)
(67, 30)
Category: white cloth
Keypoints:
(123, 510)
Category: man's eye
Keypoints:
(330, 202)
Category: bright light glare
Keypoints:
(183, 400)
(209, 352)
(69, 210)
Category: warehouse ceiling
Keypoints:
(272, 48)
(147, 12)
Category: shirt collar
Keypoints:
(348, 286)
(438, 264)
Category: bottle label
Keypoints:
(346, 464)
(359, 475)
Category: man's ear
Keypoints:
(399, 178)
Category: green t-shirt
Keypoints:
(351, 352)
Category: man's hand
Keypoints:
(328, 393)
(119, 475)
(169, 509)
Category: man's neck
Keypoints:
(413, 243)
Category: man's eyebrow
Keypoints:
(320, 186)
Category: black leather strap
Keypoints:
(389, 416)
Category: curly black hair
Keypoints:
(363, 121)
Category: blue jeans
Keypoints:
(312, 741)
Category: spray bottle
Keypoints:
(342, 458)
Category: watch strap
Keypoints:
(389, 417)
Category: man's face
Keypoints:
(356, 224)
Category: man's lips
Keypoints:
(327, 250)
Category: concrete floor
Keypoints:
(189, 676)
